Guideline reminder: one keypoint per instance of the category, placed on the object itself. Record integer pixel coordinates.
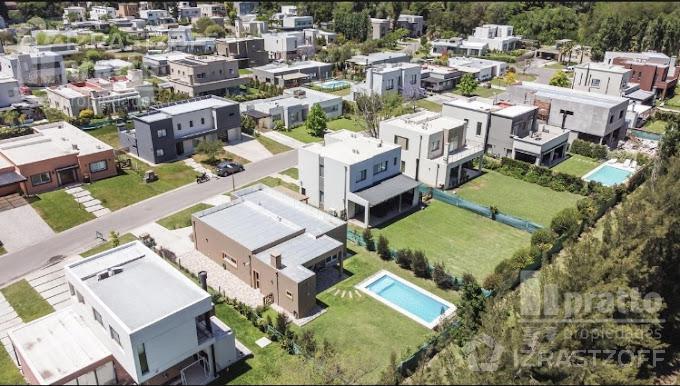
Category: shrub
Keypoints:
(543, 239)
(441, 277)
(282, 323)
(420, 265)
(11, 132)
(588, 149)
(566, 222)
(368, 239)
(404, 258)
(384, 248)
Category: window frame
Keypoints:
(362, 176)
(106, 166)
(114, 335)
(97, 316)
(41, 182)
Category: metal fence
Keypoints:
(429, 349)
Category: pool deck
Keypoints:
(363, 286)
(614, 164)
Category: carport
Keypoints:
(10, 182)
(383, 201)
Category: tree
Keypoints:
(565, 222)
(510, 78)
(467, 85)
(248, 124)
(472, 304)
(202, 24)
(420, 265)
(86, 70)
(10, 117)
(560, 79)
(316, 121)
(114, 237)
(215, 31)
(370, 108)
(86, 114)
(404, 257)
(367, 236)
(118, 38)
(384, 248)
(279, 125)
(441, 277)
(211, 149)
(282, 323)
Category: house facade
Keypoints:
(496, 37)
(159, 64)
(98, 12)
(380, 28)
(413, 23)
(601, 78)
(653, 71)
(356, 177)
(434, 148)
(34, 69)
(294, 74)
(439, 78)
(249, 52)
(403, 78)
(273, 243)
(287, 45)
(482, 69)
(205, 75)
(168, 132)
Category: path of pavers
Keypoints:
(284, 139)
(8, 320)
(85, 199)
(50, 283)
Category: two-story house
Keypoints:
(434, 148)
(403, 78)
(205, 75)
(133, 319)
(249, 52)
(287, 45)
(294, 74)
(171, 131)
(356, 177)
(297, 23)
(413, 23)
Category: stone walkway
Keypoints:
(249, 148)
(9, 320)
(284, 139)
(50, 283)
(198, 168)
(89, 203)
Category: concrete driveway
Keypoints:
(22, 227)
(249, 148)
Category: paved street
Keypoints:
(16, 264)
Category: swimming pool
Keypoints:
(334, 84)
(608, 175)
(407, 298)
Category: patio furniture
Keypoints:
(634, 164)
(626, 163)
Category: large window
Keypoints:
(361, 176)
(230, 260)
(595, 83)
(97, 316)
(401, 141)
(161, 133)
(143, 362)
(114, 335)
(379, 168)
(390, 84)
(42, 178)
(98, 166)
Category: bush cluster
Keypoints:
(11, 132)
(588, 149)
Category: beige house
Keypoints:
(273, 243)
(203, 75)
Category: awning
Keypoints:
(640, 95)
(387, 189)
(66, 168)
(10, 178)
(198, 134)
(295, 75)
(256, 114)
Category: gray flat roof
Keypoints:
(298, 251)
(387, 189)
(9, 178)
(577, 96)
(147, 290)
(165, 111)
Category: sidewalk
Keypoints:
(249, 148)
(284, 139)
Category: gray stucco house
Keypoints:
(168, 132)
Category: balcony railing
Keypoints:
(461, 153)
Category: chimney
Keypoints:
(275, 259)
(203, 279)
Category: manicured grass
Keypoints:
(274, 182)
(292, 172)
(520, 77)
(2, 250)
(9, 373)
(429, 105)
(129, 187)
(244, 71)
(658, 126)
(482, 92)
(122, 239)
(271, 145)
(460, 239)
(26, 301)
(107, 134)
(341, 92)
(576, 165)
(60, 210)
(182, 218)
(345, 123)
(516, 197)
(300, 133)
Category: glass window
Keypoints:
(160, 152)
(595, 83)
(114, 335)
(620, 114)
(202, 121)
(379, 168)
(42, 178)
(390, 84)
(401, 141)
(395, 161)
(71, 289)
(161, 133)
(97, 316)
(361, 176)
(179, 126)
(80, 298)
(479, 129)
(289, 295)
(191, 123)
(143, 362)
(98, 166)
(435, 145)
(232, 261)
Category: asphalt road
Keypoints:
(82, 237)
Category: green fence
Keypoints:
(427, 350)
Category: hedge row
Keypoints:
(11, 132)
(588, 149)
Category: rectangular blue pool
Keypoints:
(415, 302)
(608, 175)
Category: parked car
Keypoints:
(227, 168)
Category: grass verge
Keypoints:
(182, 219)
(26, 301)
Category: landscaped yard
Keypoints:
(122, 239)
(244, 71)
(345, 123)
(462, 240)
(273, 182)
(182, 218)
(129, 187)
(292, 172)
(271, 145)
(520, 77)
(300, 133)
(341, 92)
(482, 92)
(429, 105)
(516, 197)
(60, 210)
(107, 134)
(657, 126)
(26, 301)
(9, 373)
(576, 165)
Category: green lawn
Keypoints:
(274, 182)
(122, 239)
(576, 165)
(429, 105)
(9, 373)
(26, 301)
(516, 197)
(244, 71)
(345, 123)
(500, 81)
(657, 126)
(107, 134)
(292, 172)
(129, 187)
(182, 218)
(300, 133)
(2, 250)
(341, 92)
(60, 210)
(462, 240)
(559, 66)
(271, 145)
(482, 92)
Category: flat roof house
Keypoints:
(356, 177)
(182, 39)
(274, 243)
(9, 92)
(413, 23)
(496, 37)
(589, 116)
(292, 107)
(133, 319)
(458, 46)
(158, 64)
(376, 58)
(109, 67)
(294, 74)
(482, 69)
(55, 155)
(434, 148)
(205, 75)
(297, 23)
(439, 78)
(98, 12)
(512, 131)
(287, 45)
(380, 28)
(248, 25)
(34, 69)
(170, 131)
(403, 78)
(249, 52)
(653, 71)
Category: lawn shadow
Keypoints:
(232, 373)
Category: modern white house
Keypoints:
(110, 67)
(413, 23)
(9, 92)
(154, 16)
(601, 78)
(292, 107)
(292, 75)
(34, 69)
(99, 12)
(458, 46)
(434, 148)
(297, 22)
(482, 69)
(248, 25)
(74, 13)
(403, 78)
(287, 45)
(356, 177)
(496, 37)
(133, 319)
